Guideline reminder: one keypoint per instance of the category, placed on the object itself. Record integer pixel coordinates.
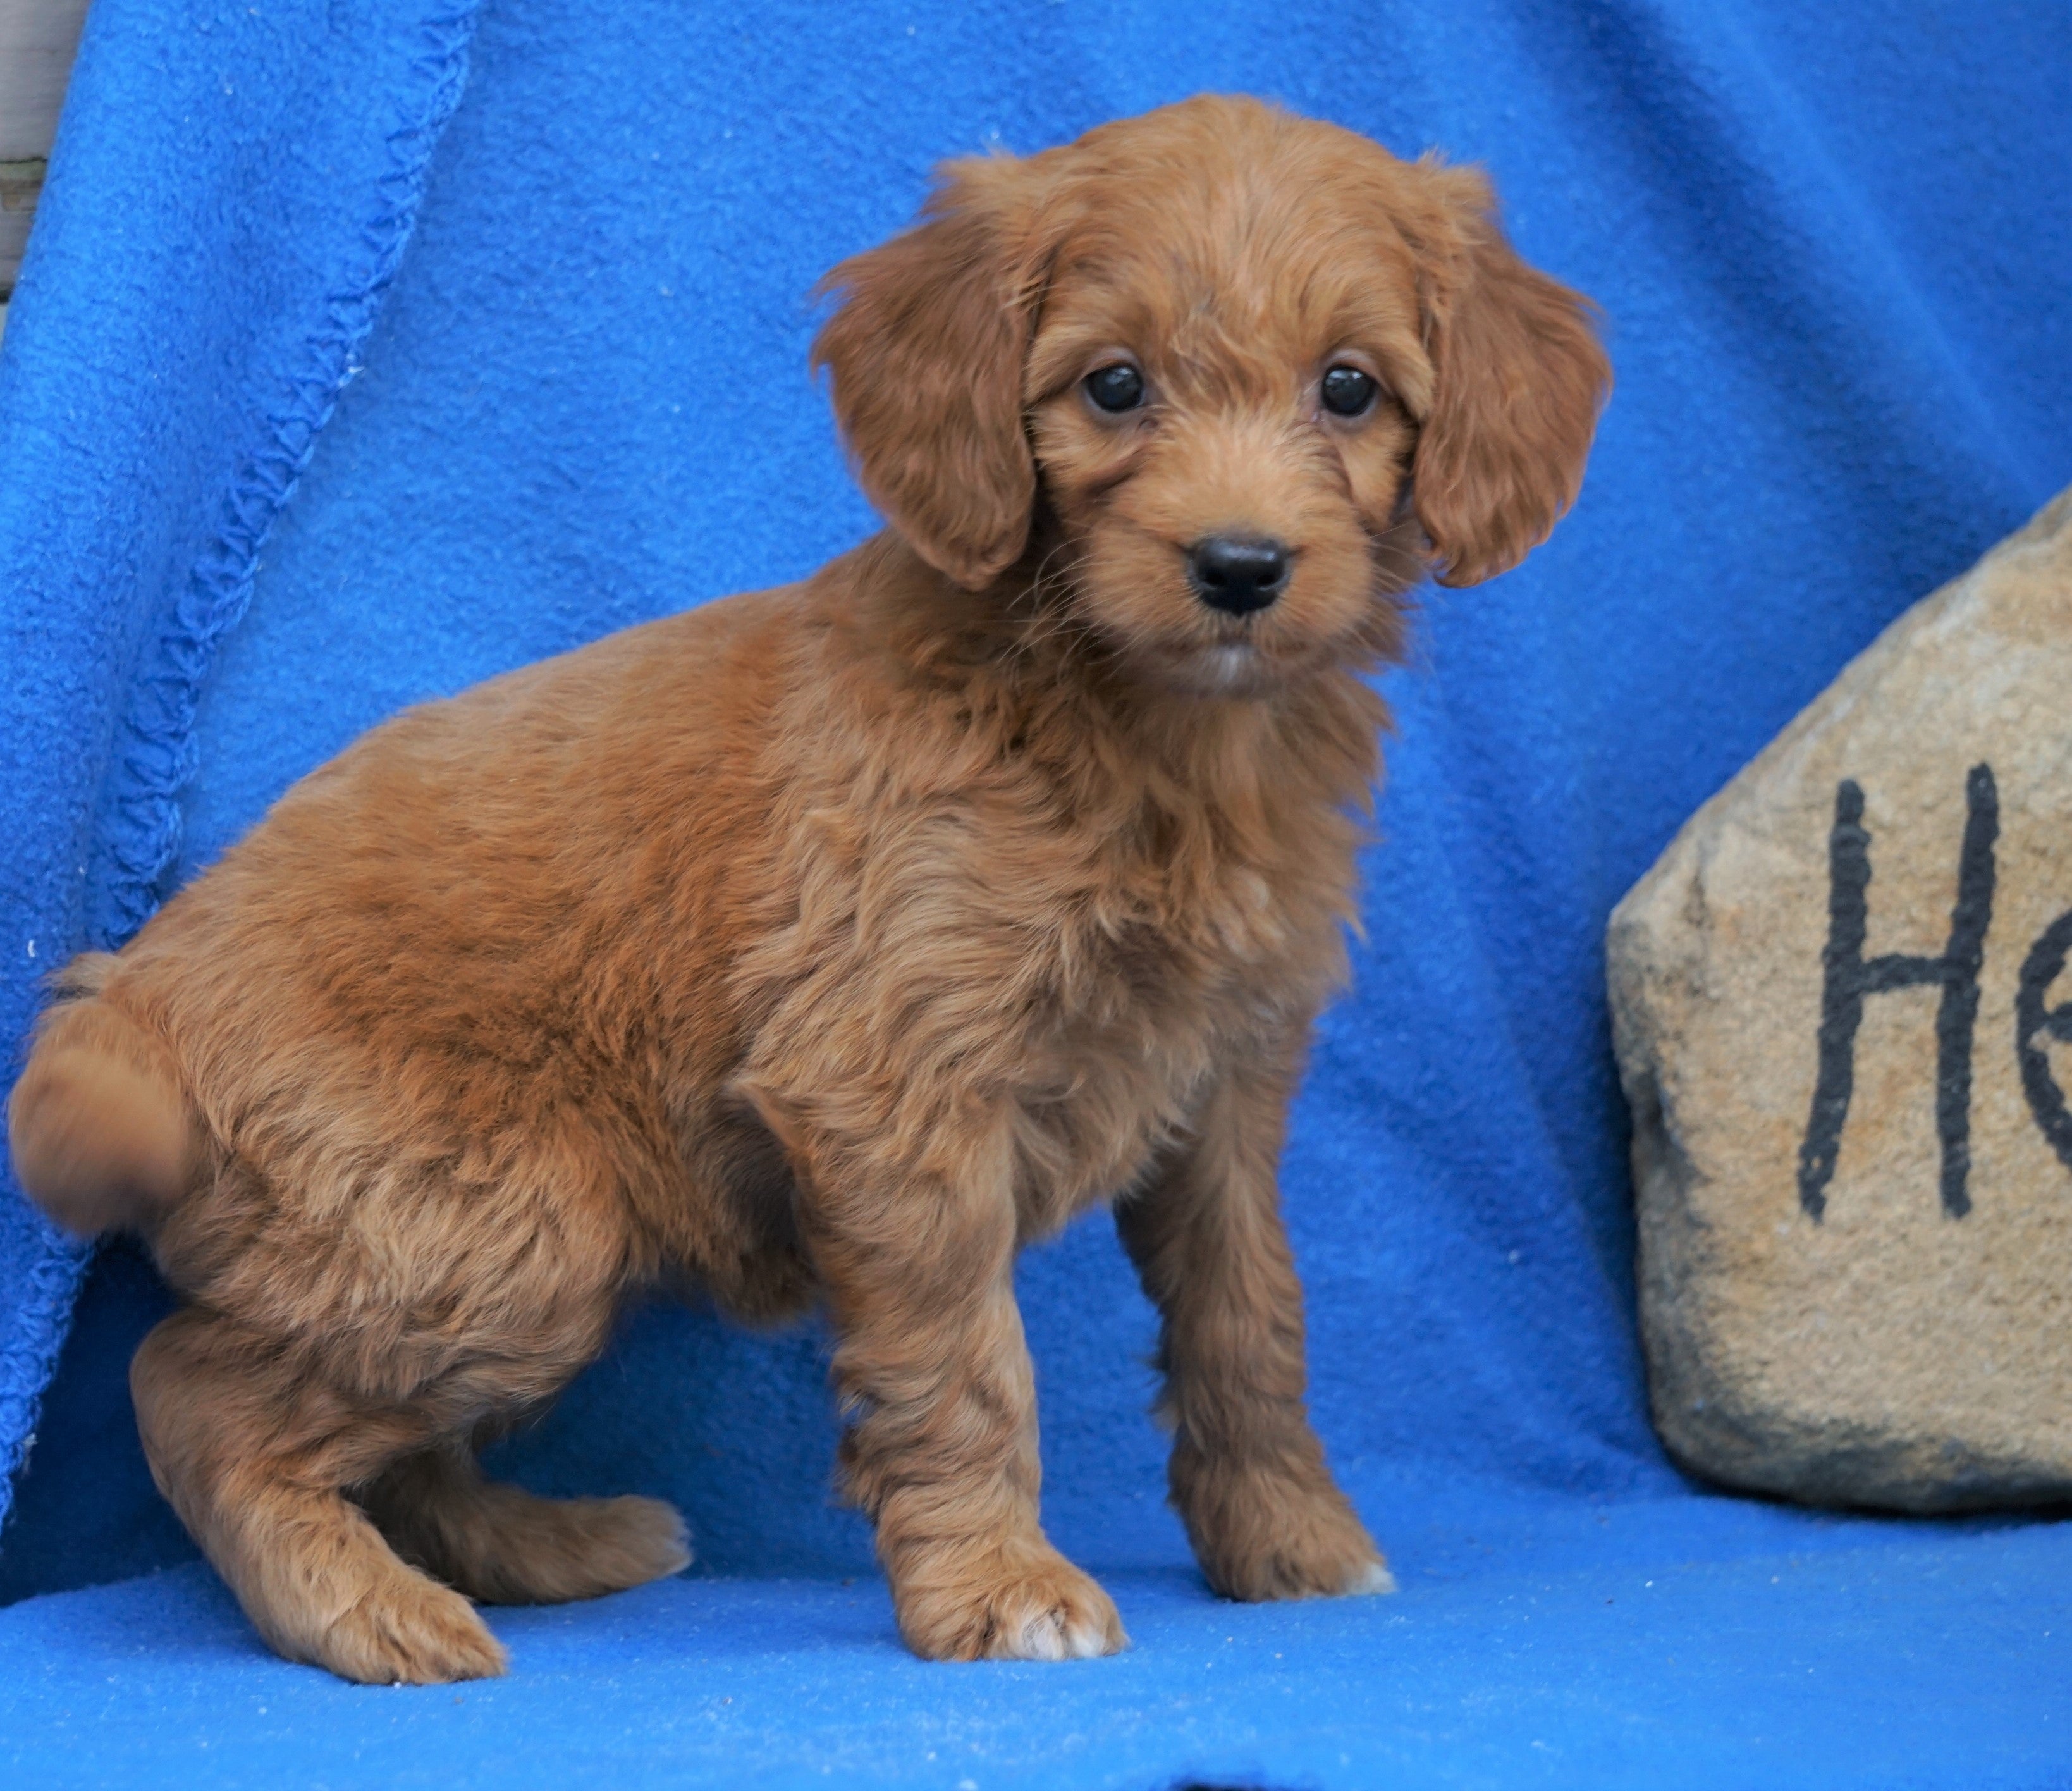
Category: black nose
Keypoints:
(1238, 573)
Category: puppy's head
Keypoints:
(1263, 375)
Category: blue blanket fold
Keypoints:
(437, 383)
(154, 426)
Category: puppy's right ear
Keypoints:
(927, 352)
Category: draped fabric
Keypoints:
(368, 347)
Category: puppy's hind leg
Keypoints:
(252, 1453)
(504, 1545)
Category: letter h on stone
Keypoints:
(1848, 977)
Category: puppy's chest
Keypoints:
(1153, 954)
(1152, 979)
(1004, 950)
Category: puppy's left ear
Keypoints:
(926, 352)
(1520, 380)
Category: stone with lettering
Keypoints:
(1843, 1018)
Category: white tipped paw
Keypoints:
(1059, 1636)
(1369, 1581)
(1260, 1535)
(1022, 1605)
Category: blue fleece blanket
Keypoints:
(367, 347)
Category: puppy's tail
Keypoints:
(99, 1131)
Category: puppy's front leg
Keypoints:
(918, 1262)
(1247, 1474)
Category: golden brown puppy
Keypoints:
(833, 942)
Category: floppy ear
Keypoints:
(1520, 380)
(927, 352)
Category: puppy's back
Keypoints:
(422, 938)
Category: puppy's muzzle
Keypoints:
(1239, 573)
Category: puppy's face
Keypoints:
(1222, 395)
(1260, 374)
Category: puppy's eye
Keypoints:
(1118, 388)
(1348, 391)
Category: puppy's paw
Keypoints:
(1370, 1581)
(1260, 1536)
(1016, 1604)
(412, 1633)
(530, 1551)
(633, 1540)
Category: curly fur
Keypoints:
(830, 943)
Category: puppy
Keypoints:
(830, 943)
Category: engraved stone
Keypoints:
(1843, 1020)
